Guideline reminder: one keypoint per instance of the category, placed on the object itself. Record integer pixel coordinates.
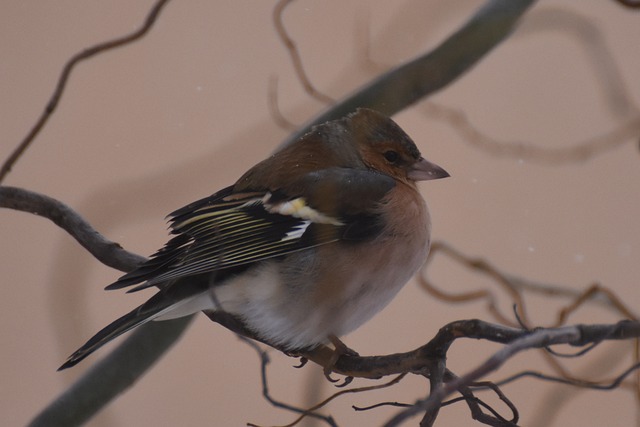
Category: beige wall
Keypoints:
(145, 129)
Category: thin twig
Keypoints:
(578, 152)
(600, 295)
(574, 335)
(264, 362)
(337, 394)
(294, 54)
(609, 79)
(274, 108)
(483, 266)
(64, 77)
(432, 71)
(612, 384)
(588, 34)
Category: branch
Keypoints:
(429, 360)
(122, 367)
(416, 361)
(134, 356)
(631, 4)
(576, 152)
(64, 77)
(105, 251)
(415, 80)
(294, 54)
(112, 375)
(515, 287)
(578, 335)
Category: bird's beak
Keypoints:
(424, 170)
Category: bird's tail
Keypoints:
(139, 316)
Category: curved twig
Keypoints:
(578, 335)
(294, 54)
(107, 252)
(612, 384)
(577, 152)
(264, 362)
(64, 78)
(430, 72)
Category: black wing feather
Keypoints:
(228, 229)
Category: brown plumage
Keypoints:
(309, 243)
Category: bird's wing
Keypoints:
(230, 229)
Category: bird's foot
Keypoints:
(340, 349)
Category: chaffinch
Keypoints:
(307, 245)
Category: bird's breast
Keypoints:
(301, 299)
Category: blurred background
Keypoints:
(148, 128)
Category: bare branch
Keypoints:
(112, 375)
(515, 286)
(64, 77)
(578, 335)
(430, 358)
(337, 394)
(615, 93)
(133, 357)
(264, 362)
(105, 251)
(632, 4)
(607, 74)
(622, 134)
(415, 80)
(274, 109)
(294, 54)
(613, 384)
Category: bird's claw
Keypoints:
(340, 349)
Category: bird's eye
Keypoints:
(391, 156)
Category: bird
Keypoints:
(305, 247)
